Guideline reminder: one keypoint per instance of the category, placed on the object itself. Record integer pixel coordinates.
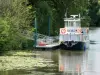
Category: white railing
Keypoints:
(47, 39)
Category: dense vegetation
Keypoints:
(94, 12)
(55, 10)
(17, 17)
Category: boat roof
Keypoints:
(73, 18)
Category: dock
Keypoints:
(48, 46)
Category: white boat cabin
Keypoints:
(72, 30)
(73, 21)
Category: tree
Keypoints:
(94, 13)
(15, 19)
(56, 9)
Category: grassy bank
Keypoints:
(23, 60)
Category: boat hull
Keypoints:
(77, 46)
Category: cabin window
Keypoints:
(66, 24)
(74, 23)
(70, 23)
(78, 23)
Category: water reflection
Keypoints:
(71, 62)
(82, 63)
(79, 63)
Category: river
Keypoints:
(68, 62)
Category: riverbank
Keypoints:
(23, 60)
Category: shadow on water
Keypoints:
(67, 62)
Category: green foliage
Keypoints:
(56, 9)
(4, 33)
(43, 12)
(94, 13)
(16, 18)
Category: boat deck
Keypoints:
(53, 45)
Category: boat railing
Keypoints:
(72, 34)
(47, 39)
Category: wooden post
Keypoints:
(35, 36)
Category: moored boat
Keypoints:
(73, 36)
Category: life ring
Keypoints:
(79, 30)
(63, 31)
